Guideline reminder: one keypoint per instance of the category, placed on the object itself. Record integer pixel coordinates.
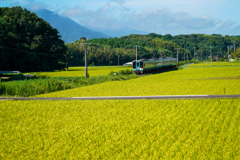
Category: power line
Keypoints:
(32, 52)
(40, 45)
(208, 47)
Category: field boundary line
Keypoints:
(128, 97)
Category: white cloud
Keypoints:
(227, 24)
(101, 18)
(181, 18)
(106, 8)
(36, 6)
(195, 8)
(73, 12)
(162, 19)
(237, 28)
(120, 2)
(165, 19)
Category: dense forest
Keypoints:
(28, 43)
(105, 51)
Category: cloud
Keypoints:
(237, 28)
(147, 20)
(36, 6)
(114, 17)
(103, 18)
(7, 0)
(73, 12)
(120, 2)
(80, 12)
(227, 24)
(30, 4)
(165, 19)
(178, 5)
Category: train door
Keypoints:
(134, 65)
(138, 65)
(141, 64)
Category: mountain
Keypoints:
(121, 32)
(68, 29)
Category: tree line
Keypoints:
(105, 51)
(28, 43)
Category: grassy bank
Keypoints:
(33, 87)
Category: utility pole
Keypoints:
(118, 60)
(136, 50)
(177, 55)
(211, 54)
(228, 52)
(201, 55)
(85, 46)
(195, 53)
(66, 62)
(184, 52)
(161, 52)
(187, 55)
(234, 46)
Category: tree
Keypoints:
(28, 43)
(236, 54)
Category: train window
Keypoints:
(141, 64)
(134, 65)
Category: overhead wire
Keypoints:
(32, 52)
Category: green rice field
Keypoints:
(191, 81)
(80, 71)
(216, 64)
(118, 129)
(130, 129)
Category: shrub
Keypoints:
(221, 59)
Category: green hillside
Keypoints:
(105, 51)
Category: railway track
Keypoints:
(128, 97)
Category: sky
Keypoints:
(159, 16)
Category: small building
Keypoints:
(127, 64)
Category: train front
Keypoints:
(137, 67)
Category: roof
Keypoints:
(128, 63)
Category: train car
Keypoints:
(150, 65)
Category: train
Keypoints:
(150, 65)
